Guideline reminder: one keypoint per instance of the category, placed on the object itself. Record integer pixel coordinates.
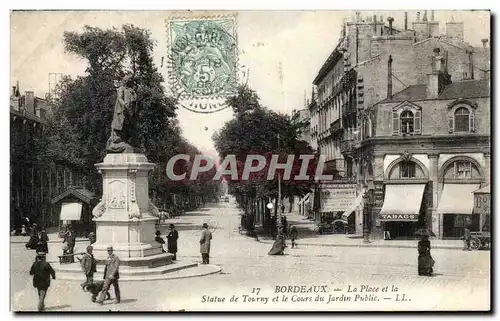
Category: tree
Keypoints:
(79, 124)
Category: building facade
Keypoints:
(33, 183)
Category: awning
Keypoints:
(353, 207)
(457, 199)
(484, 190)
(402, 202)
(71, 211)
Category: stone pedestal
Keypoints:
(125, 218)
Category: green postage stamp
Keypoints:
(203, 60)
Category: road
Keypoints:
(372, 278)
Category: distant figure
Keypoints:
(69, 239)
(282, 208)
(160, 240)
(206, 237)
(467, 236)
(23, 230)
(172, 237)
(293, 236)
(33, 241)
(284, 222)
(89, 266)
(92, 238)
(278, 245)
(111, 276)
(425, 260)
(41, 271)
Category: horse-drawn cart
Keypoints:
(480, 240)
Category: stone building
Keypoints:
(33, 184)
(372, 61)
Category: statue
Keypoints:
(124, 134)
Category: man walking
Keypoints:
(41, 271)
(206, 236)
(89, 266)
(111, 276)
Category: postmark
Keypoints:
(203, 60)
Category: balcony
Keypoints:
(348, 108)
(336, 126)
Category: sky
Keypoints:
(283, 51)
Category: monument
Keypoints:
(125, 217)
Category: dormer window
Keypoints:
(406, 119)
(461, 116)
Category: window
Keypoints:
(407, 122)
(406, 170)
(462, 120)
(463, 169)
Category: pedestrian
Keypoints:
(41, 271)
(23, 230)
(206, 237)
(43, 240)
(425, 260)
(172, 237)
(278, 245)
(89, 266)
(282, 208)
(92, 238)
(111, 276)
(293, 236)
(160, 240)
(33, 241)
(467, 236)
(285, 225)
(69, 239)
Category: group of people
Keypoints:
(172, 237)
(38, 240)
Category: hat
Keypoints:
(171, 226)
(158, 233)
(205, 225)
(109, 248)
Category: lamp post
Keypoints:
(366, 231)
(279, 223)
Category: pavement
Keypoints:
(309, 237)
(251, 279)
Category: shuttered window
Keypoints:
(395, 123)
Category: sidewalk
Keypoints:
(309, 237)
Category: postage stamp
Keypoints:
(203, 60)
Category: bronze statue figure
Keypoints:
(124, 135)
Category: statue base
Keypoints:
(125, 217)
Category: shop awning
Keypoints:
(457, 199)
(71, 211)
(402, 202)
(353, 207)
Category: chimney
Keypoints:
(418, 16)
(390, 19)
(425, 16)
(471, 65)
(485, 42)
(29, 105)
(406, 21)
(432, 15)
(14, 89)
(389, 78)
(433, 85)
(375, 24)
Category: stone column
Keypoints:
(125, 218)
(437, 220)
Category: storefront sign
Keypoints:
(482, 204)
(398, 217)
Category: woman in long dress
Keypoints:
(425, 260)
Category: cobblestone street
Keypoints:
(246, 265)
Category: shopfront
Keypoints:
(401, 213)
(456, 206)
(338, 205)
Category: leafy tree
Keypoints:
(80, 123)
